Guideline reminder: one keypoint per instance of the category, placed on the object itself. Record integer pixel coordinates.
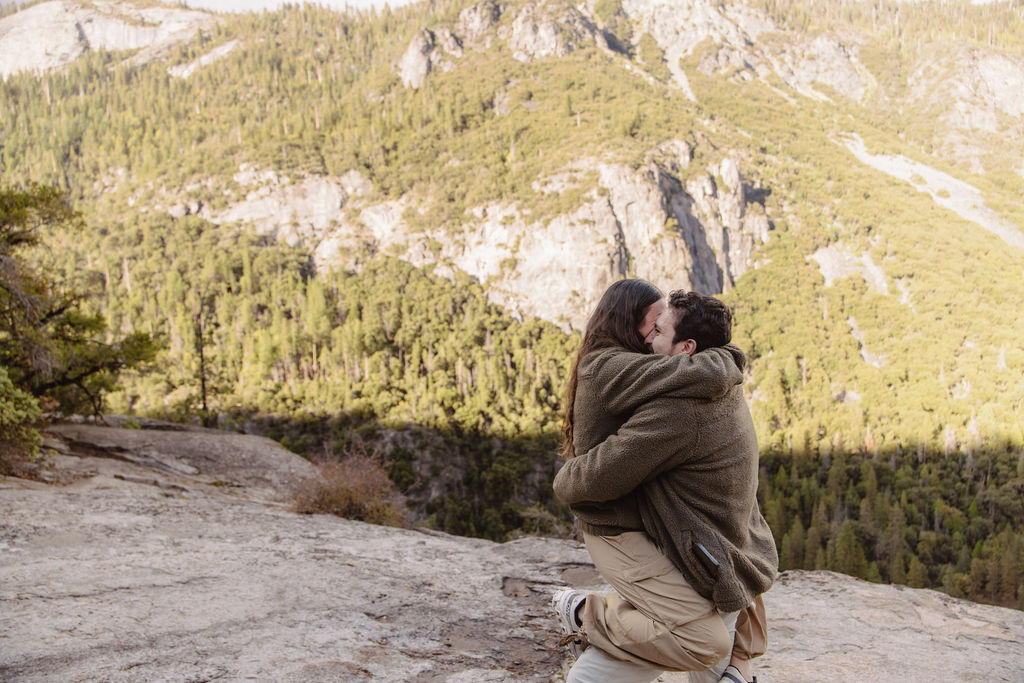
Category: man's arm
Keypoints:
(625, 379)
(652, 441)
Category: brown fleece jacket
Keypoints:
(690, 467)
(611, 384)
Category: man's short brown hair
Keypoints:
(702, 318)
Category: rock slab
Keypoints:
(135, 573)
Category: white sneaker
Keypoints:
(733, 675)
(566, 601)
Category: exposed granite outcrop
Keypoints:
(51, 35)
(700, 233)
(973, 93)
(540, 30)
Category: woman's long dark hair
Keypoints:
(614, 323)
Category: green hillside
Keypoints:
(890, 420)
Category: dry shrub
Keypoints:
(355, 487)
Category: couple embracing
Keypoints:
(661, 473)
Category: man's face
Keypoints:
(664, 331)
(647, 325)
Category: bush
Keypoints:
(355, 487)
(19, 439)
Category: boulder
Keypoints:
(186, 457)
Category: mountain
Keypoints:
(139, 571)
(394, 225)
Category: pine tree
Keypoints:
(849, 557)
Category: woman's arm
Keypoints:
(652, 441)
(623, 380)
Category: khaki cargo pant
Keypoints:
(656, 618)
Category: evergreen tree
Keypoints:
(50, 347)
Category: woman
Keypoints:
(612, 375)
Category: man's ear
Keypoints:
(689, 346)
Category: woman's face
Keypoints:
(646, 328)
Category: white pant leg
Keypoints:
(594, 666)
(714, 674)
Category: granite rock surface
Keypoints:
(129, 571)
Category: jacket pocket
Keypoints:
(656, 588)
(699, 565)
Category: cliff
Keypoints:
(186, 564)
(52, 35)
(692, 234)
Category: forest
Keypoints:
(909, 472)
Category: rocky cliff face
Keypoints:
(51, 35)
(540, 31)
(729, 35)
(973, 92)
(429, 50)
(190, 568)
(698, 233)
(740, 42)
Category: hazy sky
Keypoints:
(245, 5)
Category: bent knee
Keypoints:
(720, 644)
(709, 643)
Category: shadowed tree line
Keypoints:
(923, 519)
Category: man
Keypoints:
(707, 554)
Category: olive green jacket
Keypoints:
(611, 385)
(688, 467)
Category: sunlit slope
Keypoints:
(878, 318)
